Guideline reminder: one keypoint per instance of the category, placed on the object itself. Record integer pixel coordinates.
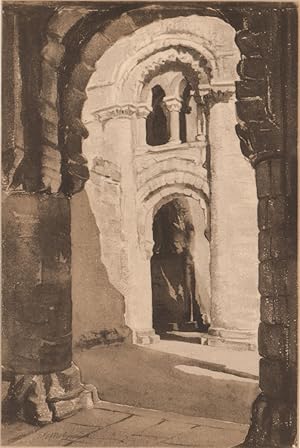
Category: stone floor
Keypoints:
(114, 425)
(174, 377)
(195, 390)
(242, 363)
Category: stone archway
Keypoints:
(123, 95)
(261, 140)
(266, 139)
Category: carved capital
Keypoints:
(117, 111)
(173, 104)
(259, 141)
(143, 110)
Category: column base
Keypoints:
(236, 339)
(145, 337)
(232, 334)
(201, 138)
(40, 399)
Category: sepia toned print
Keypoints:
(149, 224)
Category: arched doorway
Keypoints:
(176, 299)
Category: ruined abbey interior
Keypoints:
(149, 187)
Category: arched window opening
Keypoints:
(157, 132)
(186, 95)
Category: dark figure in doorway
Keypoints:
(173, 273)
(157, 123)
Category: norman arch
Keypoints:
(265, 142)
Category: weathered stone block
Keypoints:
(263, 179)
(50, 131)
(81, 75)
(279, 243)
(95, 49)
(253, 110)
(267, 314)
(278, 177)
(61, 23)
(53, 53)
(272, 379)
(119, 28)
(277, 211)
(262, 214)
(250, 43)
(264, 245)
(73, 102)
(49, 83)
(266, 285)
(273, 310)
(250, 89)
(280, 276)
(251, 69)
(272, 341)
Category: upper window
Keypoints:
(157, 132)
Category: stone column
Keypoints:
(174, 106)
(136, 279)
(270, 143)
(45, 384)
(234, 264)
(142, 112)
(201, 116)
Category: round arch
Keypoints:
(260, 143)
(63, 85)
(153, 202)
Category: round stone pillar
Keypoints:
(45, 384)
(174, 106)
(234, 252)
(142, 113)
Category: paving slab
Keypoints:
(98, 443)
(143, 441)
(170, 416)
(55, 434)
(164, 429)
(136, 427)
(98, 417)
(10, 432)
(206, 437)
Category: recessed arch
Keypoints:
(158, 197)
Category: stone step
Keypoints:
(197, 337)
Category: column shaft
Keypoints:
(136, 276)
(234, 263)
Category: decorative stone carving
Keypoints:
(124, 111)
(41, 399)
(173, 104)
(143, 110)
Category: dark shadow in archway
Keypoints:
(172, 271)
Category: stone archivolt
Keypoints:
(274, 412)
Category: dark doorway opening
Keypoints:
(157, 132)
(172, 271)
